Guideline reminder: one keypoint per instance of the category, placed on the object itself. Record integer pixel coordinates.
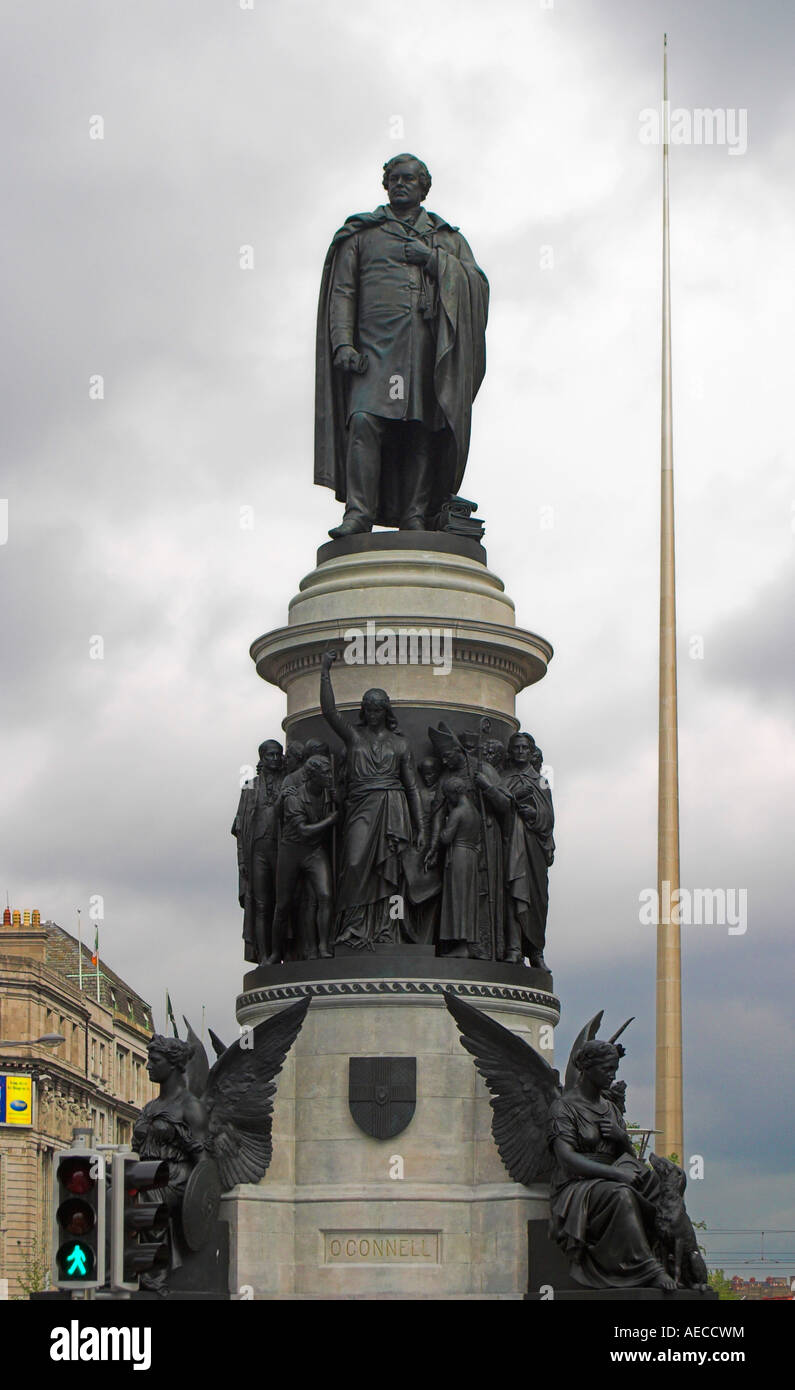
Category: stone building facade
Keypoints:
(95, 1080)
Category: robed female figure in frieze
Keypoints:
(383, 813)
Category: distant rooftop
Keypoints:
(63, 956)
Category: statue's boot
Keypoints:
(537, 961)
(413, 526)
(349, 528)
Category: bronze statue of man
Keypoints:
(401, 354)
(255, 828)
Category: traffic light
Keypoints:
(78, 1248)
(132, 1218)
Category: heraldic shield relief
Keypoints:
(382, 1094)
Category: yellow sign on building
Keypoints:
(16, 1100)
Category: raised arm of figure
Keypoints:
(328, 704)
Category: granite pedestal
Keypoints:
(430, 1213)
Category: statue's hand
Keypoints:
(422, 842)
(481, 780)
(610, 1130)
(416, 252)
(327, 660)
(620, 1175)
(431, 858)
(346, 358)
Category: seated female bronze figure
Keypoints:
(606, 1205)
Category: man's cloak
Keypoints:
(457, 309)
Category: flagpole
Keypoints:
(96, 948)
(79, 949)
(668, 1069)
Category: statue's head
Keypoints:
(314, 746)
(599, 1062)
(293, 756)
(454, 757)
(669, 1173)
(429, 769)
(407, 181)
(166, 1055)
(376, 710)
(270, 755)
(318, 770)
(521, 748)
(618, 1094)
(455, 789)
(493, 752)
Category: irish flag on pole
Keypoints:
(95, 956)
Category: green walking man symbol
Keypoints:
(76, 1262)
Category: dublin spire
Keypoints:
(668, 1069)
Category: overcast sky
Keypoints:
(226, 127)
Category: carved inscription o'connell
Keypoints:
(381, 1247)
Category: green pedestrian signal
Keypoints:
(76, 1262)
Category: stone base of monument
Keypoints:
(428, 1212)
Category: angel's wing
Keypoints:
(523, 1087)
(219, 1048)
(198, 1068)
(586, 1034)
(239, 1096)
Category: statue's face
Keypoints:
(321, 778)
(429, 772)
(603, 1074)
(292, 758)
(453, 758)
(374, 715)
(404, 186)
(521, 751)
(493, 754)
(272, 759)
(158, 1067)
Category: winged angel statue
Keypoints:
(212, 1125)
(607, 1208)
